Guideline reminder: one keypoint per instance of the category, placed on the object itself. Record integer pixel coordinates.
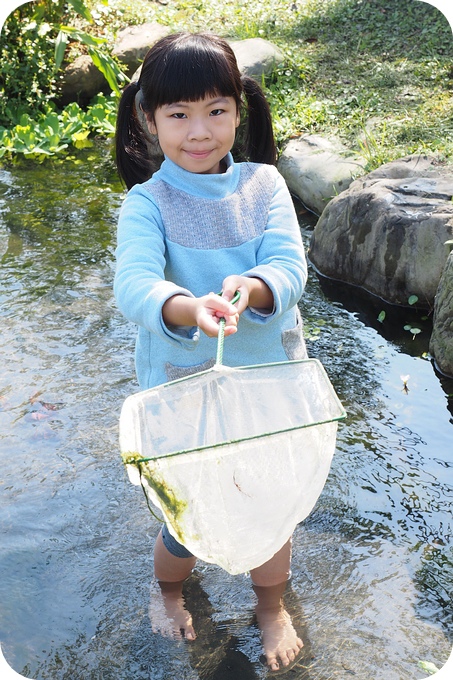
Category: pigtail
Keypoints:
(132, 146)
(259, 139)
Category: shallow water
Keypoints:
(373, 565)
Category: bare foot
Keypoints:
(280, 640)
(167, 611)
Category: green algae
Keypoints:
(174, 507)
(131, 457)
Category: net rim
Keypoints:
(136, 461)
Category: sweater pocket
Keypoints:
(293, 340)
(176, 372)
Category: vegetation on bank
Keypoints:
(378, 74)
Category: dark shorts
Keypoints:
(173, 546)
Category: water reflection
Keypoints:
(226, 647)
(372, 565)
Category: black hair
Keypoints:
(188, 67)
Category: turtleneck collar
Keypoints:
(213, 186)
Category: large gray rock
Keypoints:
(387, 234)
(256, 57)
(81, 81)
(133, 42)
(316, 169)
(441, 343)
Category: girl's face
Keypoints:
(197, 135)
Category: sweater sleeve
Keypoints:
(140, 286)
(281, 261)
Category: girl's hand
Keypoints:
(210, 309)
(204, 312)
(254, 292)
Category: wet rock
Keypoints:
(81, 81)
(386, 233)
(441, 343)
(133, 42)
(317, 169)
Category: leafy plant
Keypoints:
(372, 149)
(27, 74)
(53, 132)
(101, 59)
(32, 48)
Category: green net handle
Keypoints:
(221, 336)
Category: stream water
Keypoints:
(371, 591)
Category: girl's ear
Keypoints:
(152, 129)
(238, 118)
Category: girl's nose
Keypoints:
(198, 129)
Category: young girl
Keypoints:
(201, 224)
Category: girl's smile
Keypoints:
(197, 135)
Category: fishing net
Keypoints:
(234, 458)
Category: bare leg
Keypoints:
(280, 640)
(167, 610)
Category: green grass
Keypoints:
(378, 74)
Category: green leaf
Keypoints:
(414, 330)
(413, 299)
(81, 9)
(107, 67)
(52, 123)
(81, 36)
(381, 316)
(60, 48)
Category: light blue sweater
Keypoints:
(183, 233)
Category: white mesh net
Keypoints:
(234, 458)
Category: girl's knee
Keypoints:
(169, 567)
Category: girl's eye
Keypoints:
(180, 115)
(216, 112)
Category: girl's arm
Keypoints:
(281, 262)
(143, 294)
(140, 287)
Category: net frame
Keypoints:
(131, 457)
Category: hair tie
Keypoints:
(139, 98)
(153, 142)
(139, 111)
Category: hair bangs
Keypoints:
(194, 72)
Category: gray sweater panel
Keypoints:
(211, 224)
